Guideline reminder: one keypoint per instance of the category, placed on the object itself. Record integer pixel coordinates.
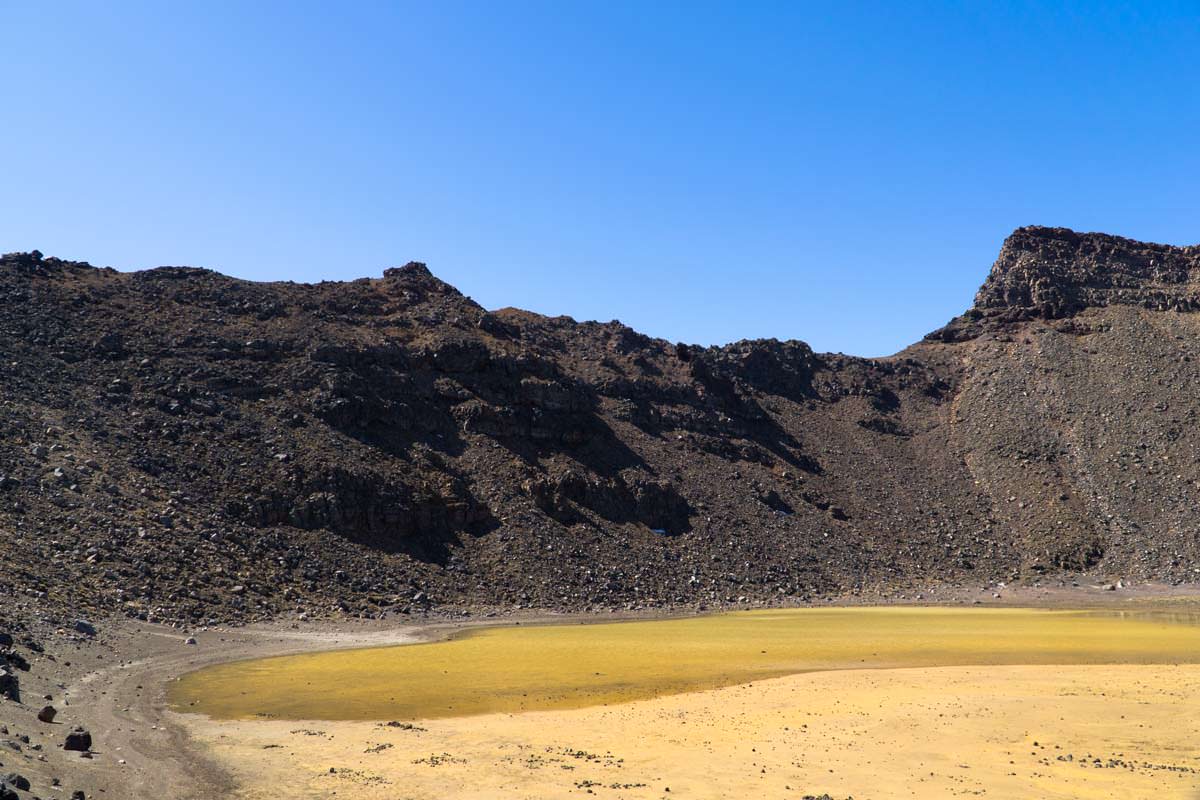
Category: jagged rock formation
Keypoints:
(178, 444)
(1051, 273)
(1055, 272)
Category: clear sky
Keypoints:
(841, 173)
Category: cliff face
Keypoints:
(182, 445)
(1054, 272)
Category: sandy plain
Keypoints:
(1042, 713)
(881, 732)
(995, 732)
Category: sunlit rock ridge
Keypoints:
(179, 445)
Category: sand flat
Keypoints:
(993, 731)
(854, 702)
(529, 668)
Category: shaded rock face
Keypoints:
(180, 445)
(654, 504)
(370, 509)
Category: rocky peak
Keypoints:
(413, 269)
(35, 264)
(21, 259)
(415, 282)
(1055, 272)
(27, 263)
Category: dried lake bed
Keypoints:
(863, 702)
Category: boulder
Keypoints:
(78, 740)
(15, 781)
(15, 659)
(47, 714)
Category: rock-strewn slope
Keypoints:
(181, 445)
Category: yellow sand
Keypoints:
(572, 666)
(992, 732)
(990, 703)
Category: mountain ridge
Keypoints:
(179, 445)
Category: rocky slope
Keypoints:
(182, 446)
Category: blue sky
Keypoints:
(838, 173)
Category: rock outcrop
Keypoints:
(1055, 272)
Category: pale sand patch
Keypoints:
(871, 734)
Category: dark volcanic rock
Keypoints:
(10, 685)
(16, 781)
(1053, 272)
(181, 446)
(78, 739)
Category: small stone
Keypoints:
(47, 714)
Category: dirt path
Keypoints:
(124, 704)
